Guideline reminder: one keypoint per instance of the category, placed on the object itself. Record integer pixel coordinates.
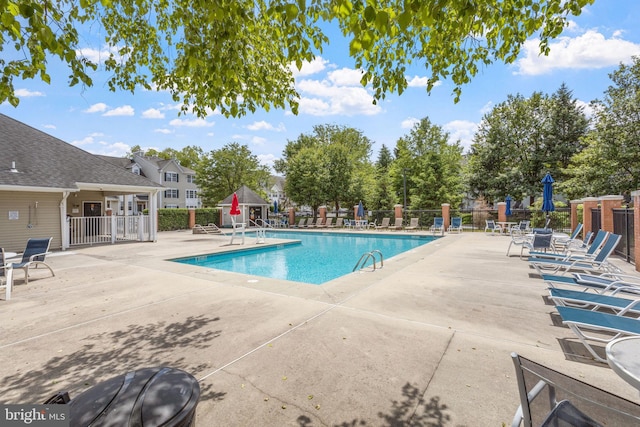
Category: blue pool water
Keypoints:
(318, 258)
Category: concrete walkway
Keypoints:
(427, 338)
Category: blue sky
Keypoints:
(102, 122)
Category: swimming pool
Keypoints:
(316, 259)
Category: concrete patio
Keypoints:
(427, 338)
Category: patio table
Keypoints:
(623, 355)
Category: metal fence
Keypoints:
(623, 225)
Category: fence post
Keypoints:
(502, 211)
(446, 215)
(323, 213)
(588, 203)
(574, 214)
(114, 229)
(292, 217)
(398, 211)
(636, 227)
(192, 218)
(608, 204)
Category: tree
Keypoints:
(234, 55)
(342, 169)
(431, 165)
(223, 171)
(520, 140)
(383, 197)
(610, 163)
(189, 156)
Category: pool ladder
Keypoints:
(366, 257)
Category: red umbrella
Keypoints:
(234, 206)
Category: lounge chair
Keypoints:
(539, 242)
(456, 225)
(317, 224)
(595, 302)
(414, 224)
(550, 398)
(598, 264)
(328, 222)
(301, 223)
(576, 253)
(397, 224)
(518, 238)
(6, 276)
(438, 225)
(600, 284)
(338, 223)
(33, 256)
(206, 229)
(608, 326)
(384, 224)
(563, 243)
(524, 226)
(490, 225)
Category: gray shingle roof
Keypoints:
(246, 196)
(48, 162)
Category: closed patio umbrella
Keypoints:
(508, 202)
(235, 211)
(275, 207)
(360, 211)
(547, 195)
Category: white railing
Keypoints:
(90, 230)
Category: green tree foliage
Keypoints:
(223, 171)
(520, 140)
(610, 163)
(341, 172)
(234, 55)
(188, 157)
(384, 195)
(431, 165)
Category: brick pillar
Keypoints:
(292, 217)
(589, 203)
(636, 226)
(192, 218)
(398, 211)
(322, 210)
(502, 211)
(608, 204)
(446, 215)
(574, 215)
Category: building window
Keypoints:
(135, 169)
(191, 179)
(191, 194)
(171, 206)
(170, 177)
(171, 193)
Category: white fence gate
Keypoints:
(89, 230)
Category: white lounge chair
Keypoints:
(384, 224)
(414, 224)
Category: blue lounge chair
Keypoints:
(603, 283)
(599, 263)
(438, 225)
(33, 256)
(579, 320)
(590, 251)
(564, 242)
(456, 225)
(595, 302)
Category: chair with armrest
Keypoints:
(551, 398)
(6, 276)
(34, 256)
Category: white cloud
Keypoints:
(194, 123)
(152, 113)
(163, 131)
(308, 68)
(409, 123)
(125, 110)
(590, 50)
(97, 108)
(96, 134)
(26, 93)
(84, 141)
(263, 125)
(324, 98)
(116, 149)
(486, 108)
(345, 77)
(258, 140)
(416, 81)
(267, 159)
(50, 127)
(588, 109)
(462, 130)
(95, 55)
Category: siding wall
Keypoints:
(44, 220)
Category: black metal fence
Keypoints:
(623, 225)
